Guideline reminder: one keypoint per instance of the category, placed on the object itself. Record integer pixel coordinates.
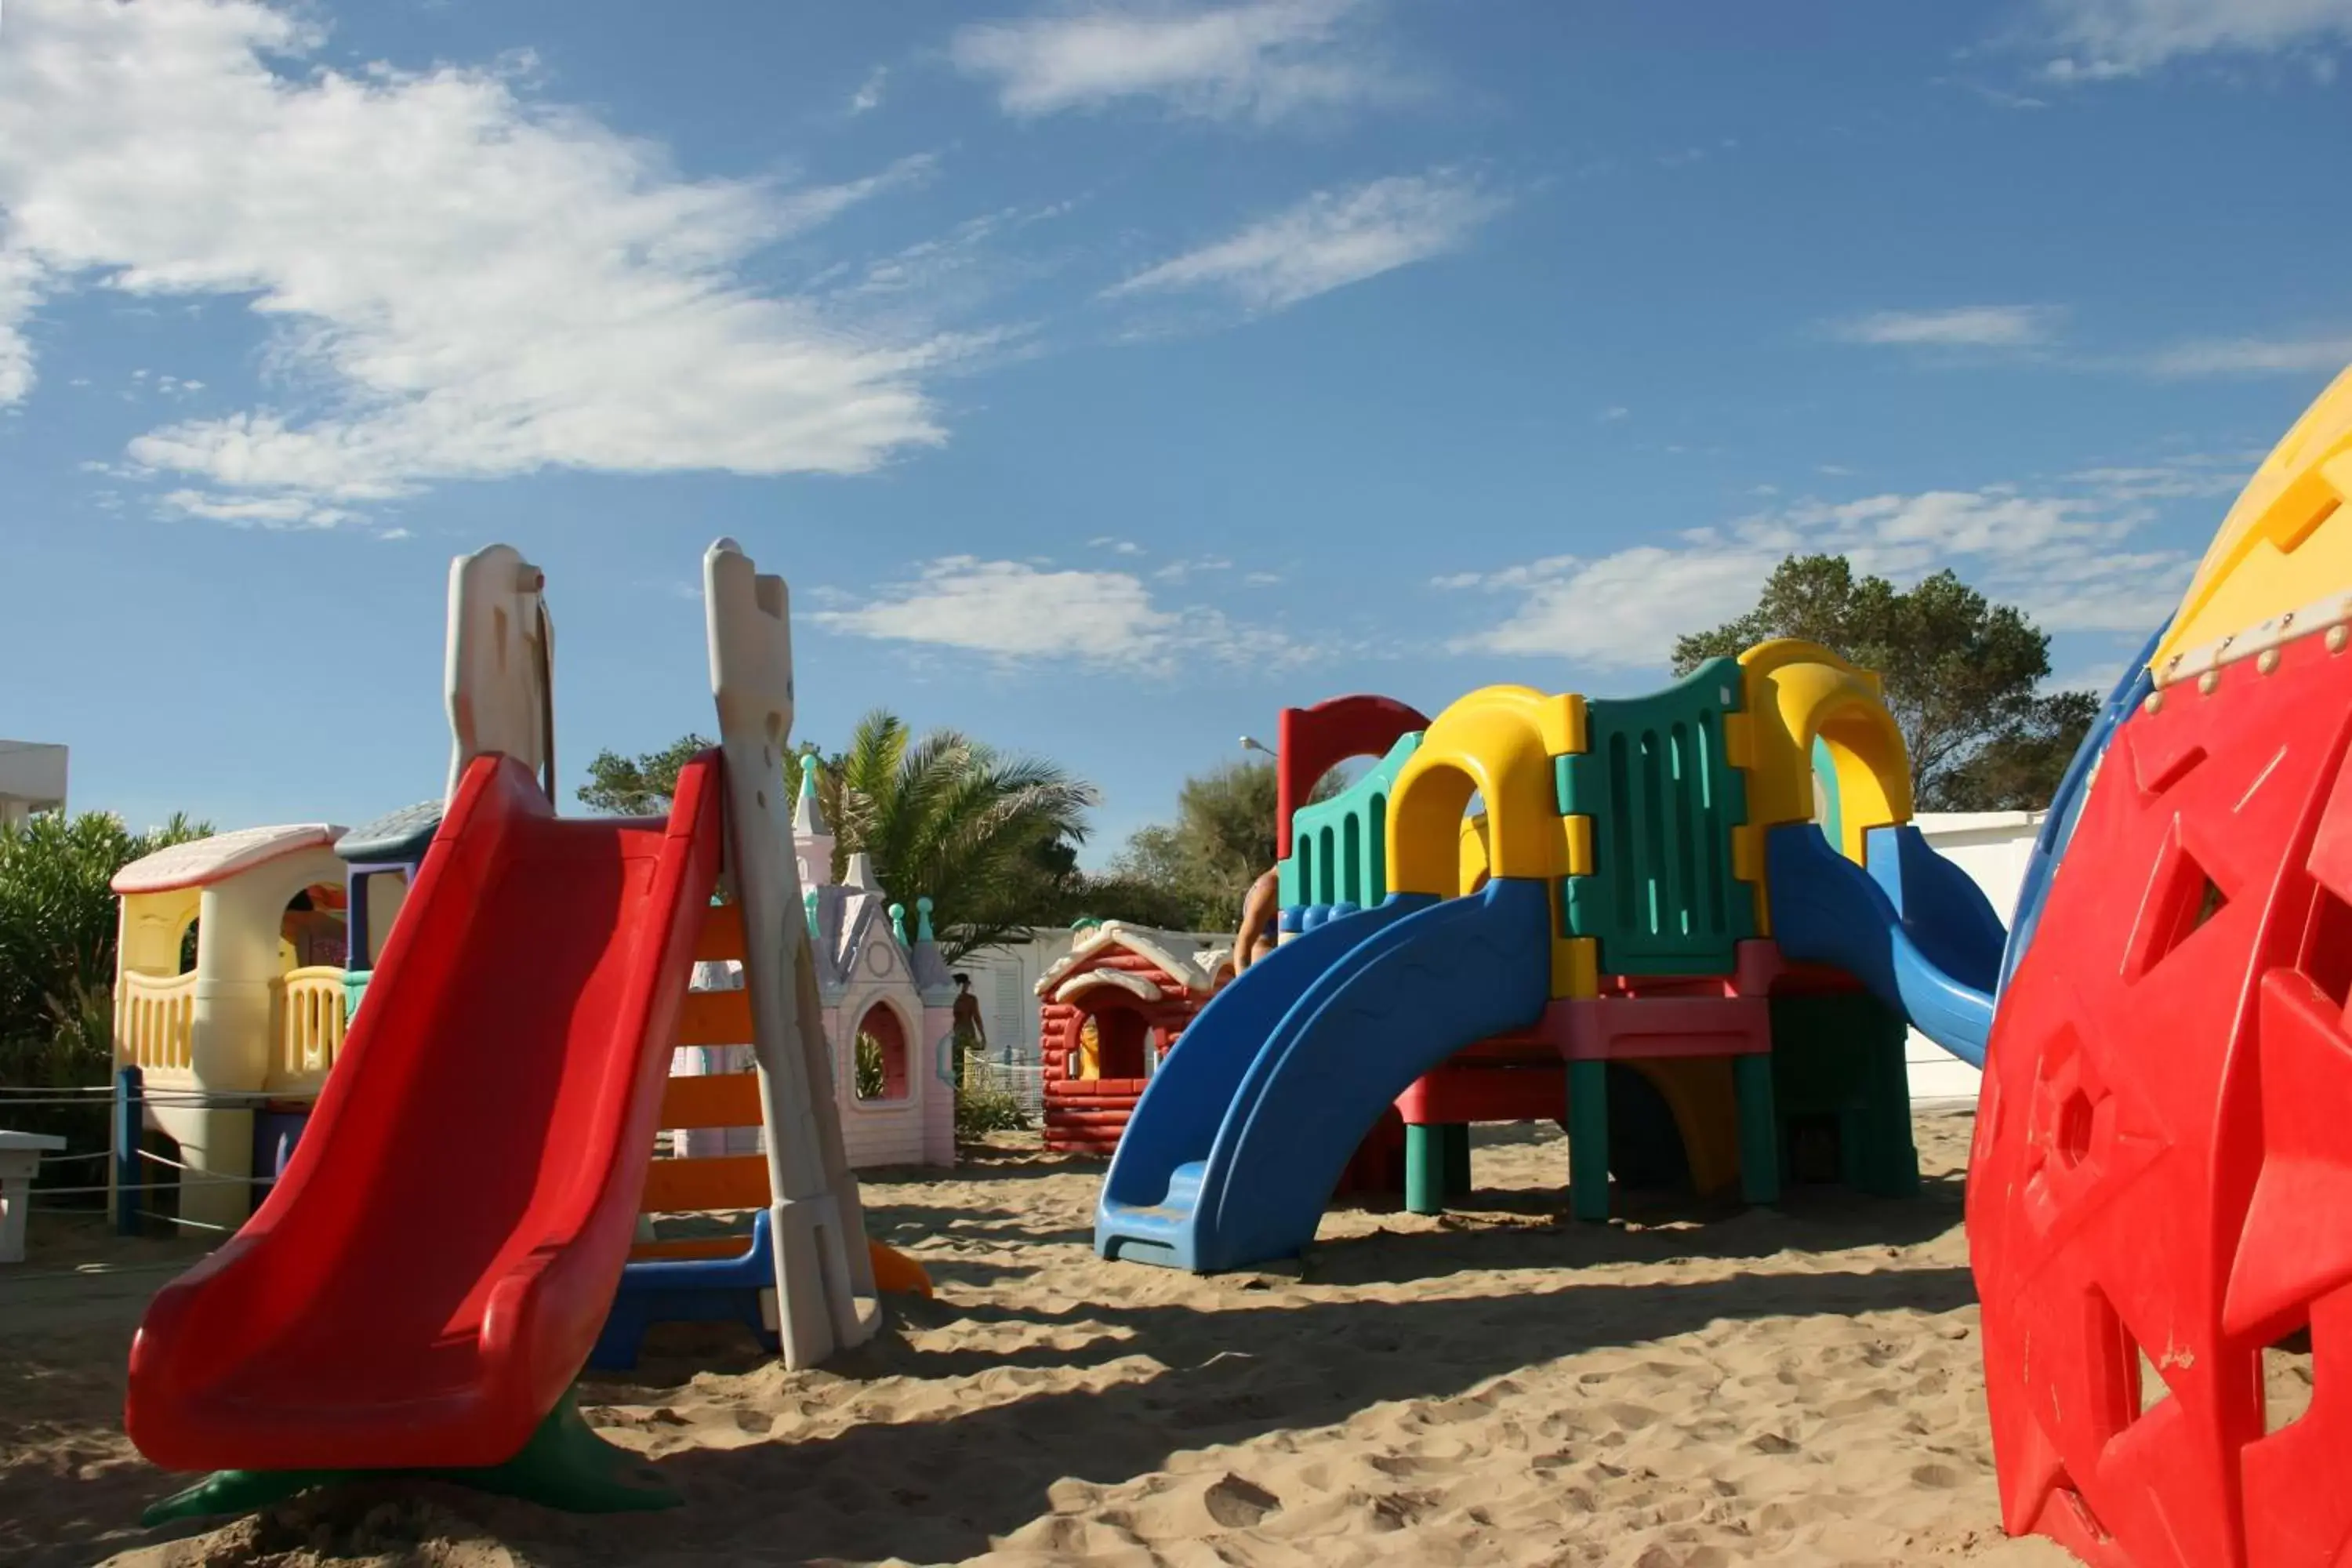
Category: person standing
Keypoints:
(970, 1029)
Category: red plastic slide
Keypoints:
(426, 1279)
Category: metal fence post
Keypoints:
(130, 1126)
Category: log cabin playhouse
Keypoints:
(1106, 1014)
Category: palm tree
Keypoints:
(947, 817)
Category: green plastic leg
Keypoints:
(1892, 1170)
(564, 1466)
(1759, 1129)
(1457, 1159)
(1424, 1168)
(1588, 1140)
(238, 1491)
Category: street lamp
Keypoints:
(1252, 743)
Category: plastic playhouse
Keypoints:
(454, 1234)
(1109, 1011)
(228, 998)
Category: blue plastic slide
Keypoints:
(1218, 1168)
(1912, 926)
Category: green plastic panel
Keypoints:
(1663, 799)
(1837, 1061)
(1338, 848)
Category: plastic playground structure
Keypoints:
(1666, 886)
(1645, 889)
(392, 1307)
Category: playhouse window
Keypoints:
(1118, 1040)
(311, 932)
(382, 893)
(881, 1053)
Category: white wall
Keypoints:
(32, 778)
(1992, 847)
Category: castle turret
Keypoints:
(812, 835)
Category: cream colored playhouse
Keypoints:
(255, 1014)
(877, 981)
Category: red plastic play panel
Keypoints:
(2163, 1164)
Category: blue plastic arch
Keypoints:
(2066, 806)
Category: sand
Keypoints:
(1694, 1387)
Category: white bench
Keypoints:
(20, 1156)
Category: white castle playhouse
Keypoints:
(876, 981)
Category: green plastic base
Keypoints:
(1436, 1165)
(1759, 1129)
(564, 1466)
(1588, 1140)
(1424, 1169)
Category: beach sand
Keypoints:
(1694, 1387)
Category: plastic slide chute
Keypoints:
(1408, 985)
(1911, 926)
(421, 1287)
(1176, 1120)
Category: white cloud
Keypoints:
(1329, 240)
(1964, 326)
(1183, 571)
(2100, 679)
(1613, 413)
(20, 295)
(2108, 38)
(2320, 354)
(256, 512)
(2066, 559)
(1261, 580)
(1114, 545)
(462, 282)
(1012, 612)
(868, 96)
(1262, 61)
(2196, 474)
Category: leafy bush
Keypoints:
(981, 1108)
(873, 1079)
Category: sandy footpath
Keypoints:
(1693, 1388)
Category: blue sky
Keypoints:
(1103, 377)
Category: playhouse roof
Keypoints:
(399, 836)
(1188, 956)
(200, 862)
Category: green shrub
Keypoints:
(873, 1078)
(983, 1109)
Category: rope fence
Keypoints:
(137, 1177)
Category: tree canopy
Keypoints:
(639, 785)
(1962, 676)
(1223, 840)
(990, 838)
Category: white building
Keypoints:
(32, 778)
(1992, 847)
